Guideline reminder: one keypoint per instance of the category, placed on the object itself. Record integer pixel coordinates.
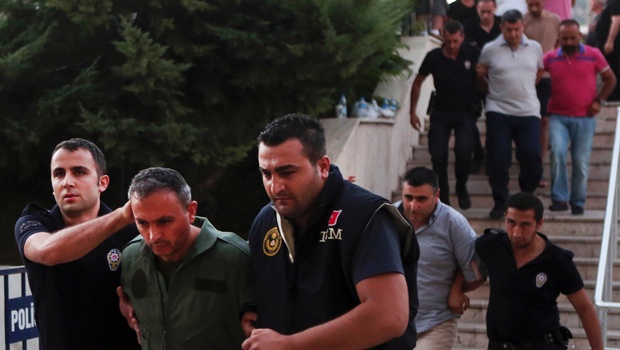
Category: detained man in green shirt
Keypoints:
(186, 281)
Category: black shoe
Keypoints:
(576, 210)
(559, 206)
(463, 196)
(497, 212)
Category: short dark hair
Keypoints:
(76, 143)
(570, 22)
(420, 176)
(525, 201)
(156, 179)
(512, 16)
(453, 27)
(493, 1)
(306, 129)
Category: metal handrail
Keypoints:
(609, 243)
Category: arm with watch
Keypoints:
(609, 81)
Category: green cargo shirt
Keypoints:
(207, 294)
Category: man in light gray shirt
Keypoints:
(509, 68)
(448, 266)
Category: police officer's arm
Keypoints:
(587, 313)
(482, 72)
(415, 97)
(382, 315)
(74, 242)
(614, 28)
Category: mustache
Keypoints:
(570, 48)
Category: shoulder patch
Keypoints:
(29, 225)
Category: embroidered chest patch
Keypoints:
(272, 242)
(541, 279)
(114, 259)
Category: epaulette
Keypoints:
(35, 209)
(493, 231)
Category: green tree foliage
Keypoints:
(184, 83)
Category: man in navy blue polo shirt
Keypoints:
(335, 265)
(527, 273)
(457, 106)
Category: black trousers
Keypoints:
(441, 126)
(502, 130)
(614, 63)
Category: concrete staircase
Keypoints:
(581, 234)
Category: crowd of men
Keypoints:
(328, 264)
(539, 87)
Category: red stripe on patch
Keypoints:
(333, 219)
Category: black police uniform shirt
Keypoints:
(475, 34)
(522, 302)
(76, 306)
(454, 79)
(612, 8)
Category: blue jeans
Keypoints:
(525, 132)
(579, 131)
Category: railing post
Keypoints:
(603, 293)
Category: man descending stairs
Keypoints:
(578, 233)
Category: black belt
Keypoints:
(557, 337)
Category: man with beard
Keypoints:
(573, 104)
(527, 273)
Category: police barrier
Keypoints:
(19, 324)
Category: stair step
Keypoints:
(599, 154)
(480, 183)
(600, 138)
(597, 169)
(479, 199)
(563, 224)
(473, 336)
